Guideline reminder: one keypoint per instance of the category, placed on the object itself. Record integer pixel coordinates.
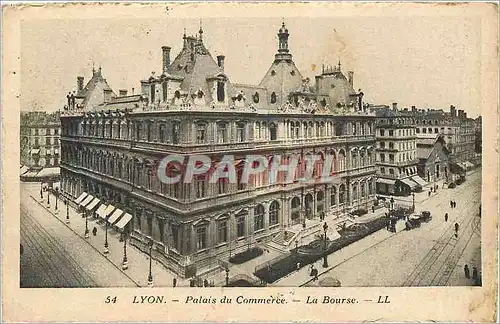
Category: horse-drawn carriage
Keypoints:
(415, 220)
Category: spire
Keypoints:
(201, 30)
(93, 68)
(283, 51)
(339, 64)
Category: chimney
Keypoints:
(394, 106)
(220, 61)
(79, 83)
(107, 95)
(453, 111)
(123, 92)
(166, 58)
(465, 115)
(133, 91)
(413, 108)
(351, 77)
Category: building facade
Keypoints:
(457, 130)
(396, 151)
(113, 150)
(40, 139)
(433, 158)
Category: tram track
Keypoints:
(446, 247)
(59, 267)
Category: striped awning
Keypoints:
(386, 181)
(100, 211)
(108, 211)
(93, 204)
(124, 221)
(87, 201)
(419, 180)
(410, 183)
(81, 197)
(114, 217)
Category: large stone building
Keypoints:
(457, 130)
(396, 151)
(112, 150)
(433, 158)
(40, 144)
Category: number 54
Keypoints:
(110, 299)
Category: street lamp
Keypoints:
(87, 229)
(325, 257)
(150, 276)
(227, 276)
(392, 203)
(57, 196)
(48, 198)
(125, 261)
(106, 237)
(41, 191)
(413, 204)
(67, 212)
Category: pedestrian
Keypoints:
(94, 231)
(454, 204)
(429, 193)
(451, 203)
(205, 283)
(174, 282)
(373, 209)
(466, 271)
(315, 274)
(456, 227)
(191, 283)
(298, 266)
(446, 217)
(474, 274)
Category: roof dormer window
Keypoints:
(273, 98)
(256, 97)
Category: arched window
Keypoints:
(240, 132)
(220, 91)
(258, 218)
(273, 98)
(273, 213)
(222, 132)
(332, 196)
(256, 97)
(163, 133)
(341, 194)
(320, 196)
(201, 133)
(273, 132)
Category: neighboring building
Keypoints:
(40, 144)
(433, 157)
(456, 128)
(112, 150)
(478, 132)
(396, 151)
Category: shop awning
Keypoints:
(49, 172)
(81, 197)
(87, 200)
(24, 169)
(100, 211)
(30, 174)
(386, 181)
(35, 151)
(93, 204)
(108, 211)
(124, 221)
(410, 183)
(114, 217)
(419, 180)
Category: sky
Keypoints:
(428, 62)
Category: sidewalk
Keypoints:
(138, 262)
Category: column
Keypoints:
(156, 228)
(266, 216)
(250, 223)
(285, 212)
